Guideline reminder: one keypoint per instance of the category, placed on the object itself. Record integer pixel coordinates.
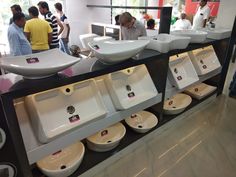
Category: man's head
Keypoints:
(183, 16)
(19, 19)
(126, 20)
(151, 24)
(202, 3)
(117, 17)
(33, 12)
(43, 7)
(58, 7)
(15, 9)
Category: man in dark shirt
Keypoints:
(53, 21)
(17, 9)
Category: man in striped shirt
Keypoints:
(53, 21)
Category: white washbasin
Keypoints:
(204, 60)
(142, 121)
(116, 51)
(106, 139)
(64, 162)
(56, 111)
(86, 38)
(38, 65)
(103, 38)
(130, 87)
(196, 36)
(181, 71)
(200, 91)
(177, 104)
(217, 33)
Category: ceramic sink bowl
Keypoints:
(59, 110)
(86, 38)
(218, 33)
(103, 38)
(130, 87)
(64, 162)
(177, 104)
(110, 52)
(196, 36)
(200, 91)
(181, 71)
(204, 60)
(142, 121)
(38, 65)
(106, 139)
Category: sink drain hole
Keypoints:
(140, 126)
(109, 141)
(63, 167)
(174, 107)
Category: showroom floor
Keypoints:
(200, 145)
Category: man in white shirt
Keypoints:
(182, 23)
(202, 15)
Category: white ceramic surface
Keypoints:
(38, 65)
(56, 111)
(204, 60)
(106, 139)
(103, 38)
(142, 121)
(217, 33)
(200, 91)
(196, 36)
(86, 38)
(63, 163)
(116, 51)
(181, 71)
(130, 87)
(177, 104)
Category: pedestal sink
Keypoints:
(196, 36)
(217, 33)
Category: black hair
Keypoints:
(16, 7)
(43, 4)
(18, 16)
(34, 11)
(150, 23)
(58, 6)
(117, 17)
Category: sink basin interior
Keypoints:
(64, 162)
(204, 60)
(130, 87)
(56, 111)
(181, 71)
(142, 121)
(86, 38)
(177, 104)
(196, 36)
(106, 139)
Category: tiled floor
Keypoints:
(200, 145)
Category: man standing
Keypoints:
(19, 45)
(38, 31)
(202, 15)
(53, 21)
(131, 29)
(17, 9)
(64, 37)
(182, 23)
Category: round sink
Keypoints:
(106, 139)
(64, 162)
(142, 121)
(177, 104)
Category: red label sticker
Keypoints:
(32, 60)
(55, 153)
(130, 95)
(179, 78)
(74, 118)
(133, 116)
(104, 132)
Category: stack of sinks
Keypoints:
(217, 33)
(196, 36)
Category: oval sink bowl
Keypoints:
(196, 36)
(142, 121)
(64, 162)
(218, 33)
(200, 91)
(103, 38)
(39, 65)
(106, 139)
(86, 38)
(110, 52)
(177, 104)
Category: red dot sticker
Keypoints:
(32, 60)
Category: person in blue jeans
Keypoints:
(232, 87)
(64, 37)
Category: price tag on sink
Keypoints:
(74, 118)
(32, 60)
(104, 132)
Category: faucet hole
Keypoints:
(71, 109)
(63, 167)
(174, 107)
(128, 71)
(140, 126)
(67, 90)
(109, 141)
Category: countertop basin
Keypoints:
(196, 36)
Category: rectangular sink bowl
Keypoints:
(204, 60)
(181, 71)
(218, 34)
(56, 111)
(196, 36)
(130, 87)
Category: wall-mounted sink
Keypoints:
(130, 87)
(110, 52)
(38, 65)
(64, 162)
(218, 33)
(200, 91)
(142, 121)
(177, 104)
(106, 139)
(196, 36)
(204, 60)
(56, 111)
(181, 71)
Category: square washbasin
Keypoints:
(218, 33)
(110, 52)
(196, 36)
(181, 71)
(204, 60)
(130, 87)
(59, 110)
